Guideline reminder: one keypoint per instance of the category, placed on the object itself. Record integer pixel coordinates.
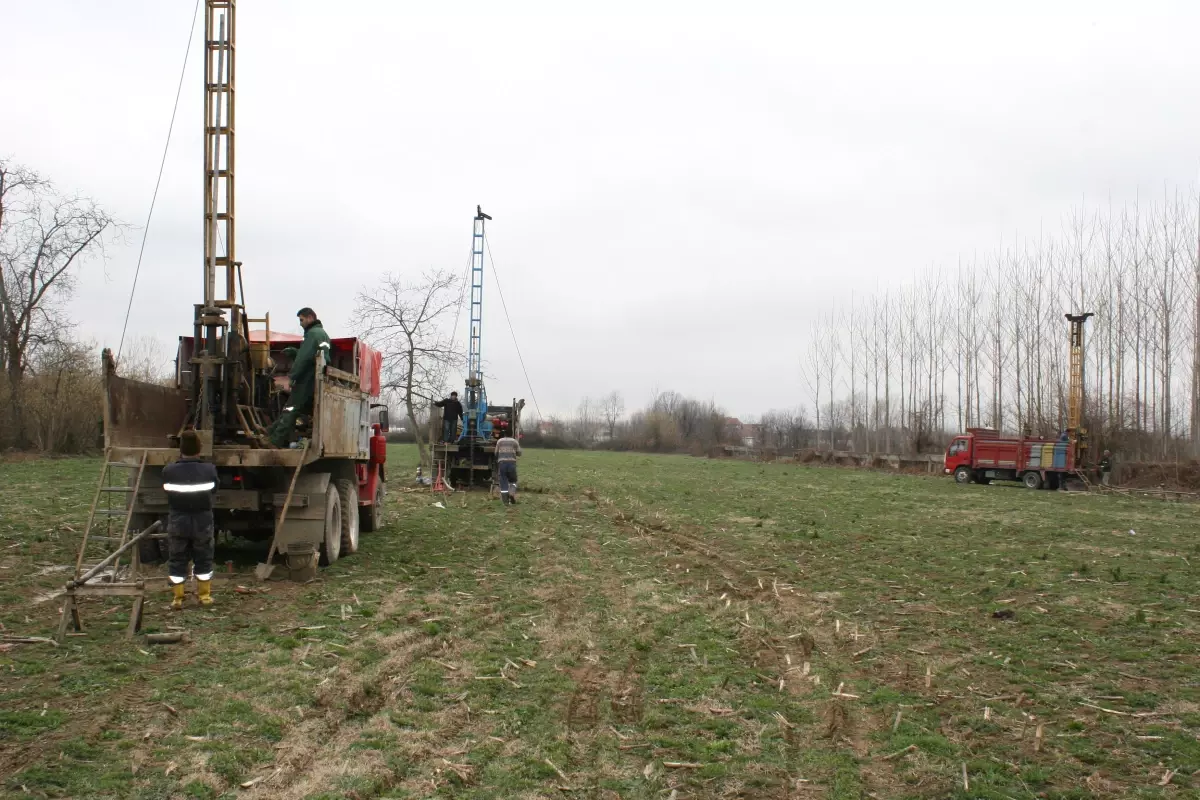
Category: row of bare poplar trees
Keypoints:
(986, 343)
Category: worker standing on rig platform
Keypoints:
(508, 450)
(302, 376)
(190, 484)
(452, 412)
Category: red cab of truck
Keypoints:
(982, 455)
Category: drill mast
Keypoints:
(1075, 389)
(476, 406)
(221, 329)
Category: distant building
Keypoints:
(751, 434)
(742, 433)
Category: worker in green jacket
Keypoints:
(303, 376)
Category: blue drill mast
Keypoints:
(470, 460)
(476, 424)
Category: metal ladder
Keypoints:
(103, 516)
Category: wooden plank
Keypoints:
(135, 616)
(221, 456)
(110, 590)
(341, 375)
(69, 614)
(284, 512)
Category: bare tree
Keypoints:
(1195, 290)
(44, 237)
(145, 359)
(811, 372)
(830, 357)
(612, 408)
(587, 421)
(404, 321)
(990, 346)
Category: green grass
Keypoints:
(638, 625)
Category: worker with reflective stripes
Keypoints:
(507, 451)
(303, 376)
(190, 484)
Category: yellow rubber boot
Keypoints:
(204, 592)
(177, 601)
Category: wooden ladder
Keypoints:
(103, 515)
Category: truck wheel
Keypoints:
(371, 517)
(150, 551)
(153, 551)
(349, 496)
(1032, 480)
(331, 545)
(962, 475)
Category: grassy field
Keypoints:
(639, 627)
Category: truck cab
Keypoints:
(958, 454)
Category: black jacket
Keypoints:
(451, 409)
(190, 485)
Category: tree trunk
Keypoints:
(16, 408)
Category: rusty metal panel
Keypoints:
(304, 523)
(298, 501)
(140, 414)
(343, 415)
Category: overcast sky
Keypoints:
(676, 194)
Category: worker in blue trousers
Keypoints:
(508, 450)
(452, 412)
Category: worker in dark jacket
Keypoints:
(190, 484)
(1105, 468)
(303, 376)
(452, 412)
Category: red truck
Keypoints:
(983, 455)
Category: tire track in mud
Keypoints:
(102, 710)
(313, 753)
(86, 723)
(310, 751)
(841, 722)
(590, 619)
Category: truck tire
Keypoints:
(348, 492)
(150, 551)
(963, 475)
(371, 517)
(331, 543)
(153, 551)
(1032, 480)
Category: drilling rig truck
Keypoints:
(982, 455)
(310, 498)
(470, 460)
